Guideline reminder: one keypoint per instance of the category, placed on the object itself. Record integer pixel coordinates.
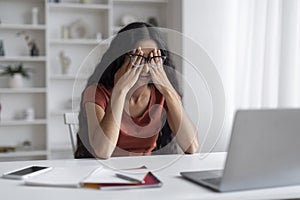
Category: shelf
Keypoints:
(22, 27)
(78, 6)
(61, 147)
(67, 77)
(62, 112)
(23, 58)
(23, 154)
(22, 122)
(140, 1)
(75, 41)
(22, 90)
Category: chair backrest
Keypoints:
(71, 119)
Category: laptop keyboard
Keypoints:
(208, 178)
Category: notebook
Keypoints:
(96, 177)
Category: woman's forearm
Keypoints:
(181, 125)
(106, 130)
(106, 134)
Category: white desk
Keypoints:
(174, 186)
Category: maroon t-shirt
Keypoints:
(137, 135)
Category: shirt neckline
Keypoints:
(151, 100)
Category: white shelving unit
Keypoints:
(61, 112)
(74, 41)
(15, 16)
(141, 1)
(49, 91)
(22, 27)
(22, 90)
(23, 59)
(67, 77)
(22, 155)
(95, 16)
(79, 6)
(141, 10)
(22, 122)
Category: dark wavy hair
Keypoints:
(125, 41)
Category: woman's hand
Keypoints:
(179, 122)
(158, 74)
(127, 75)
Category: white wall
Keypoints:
(210, 24)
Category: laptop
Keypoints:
(263, 152)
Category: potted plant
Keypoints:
(16, 75)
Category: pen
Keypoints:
(128, 178)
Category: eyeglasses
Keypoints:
(144, 59)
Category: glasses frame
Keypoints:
(147, 60)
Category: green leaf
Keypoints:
(12, 70)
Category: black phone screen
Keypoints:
(27, 170)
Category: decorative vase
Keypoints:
(2, 53)
(15, 81)
(34, 15)
(34, 51)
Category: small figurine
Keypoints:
(0, 111)
(65, 62)
(1, 48)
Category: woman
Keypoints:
(123, 112)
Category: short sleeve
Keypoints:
(96, 94)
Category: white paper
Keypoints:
(104, 176)
(62, 177)
(73, 176)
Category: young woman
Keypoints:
(131, 102)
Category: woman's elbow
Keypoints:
(101, 153)
(193, 148)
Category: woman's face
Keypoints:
(147, 47)
(144, 48)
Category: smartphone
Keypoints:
(26, 172)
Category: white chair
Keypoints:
(71, 119)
